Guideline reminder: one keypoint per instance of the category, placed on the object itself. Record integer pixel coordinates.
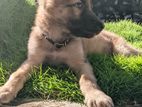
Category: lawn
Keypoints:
(119, 76)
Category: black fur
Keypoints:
(87, 25)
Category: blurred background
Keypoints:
(112, 10)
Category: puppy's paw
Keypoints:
(98, 99)
(6, 94)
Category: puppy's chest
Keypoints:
(61, 55)
(55, 56)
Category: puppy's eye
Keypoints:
(78, 5)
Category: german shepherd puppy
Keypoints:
(65, 31)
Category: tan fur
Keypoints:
(74, 54)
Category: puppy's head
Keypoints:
(76, 15)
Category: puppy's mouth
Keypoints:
(85, 30)
(86, 33)
(92, 34)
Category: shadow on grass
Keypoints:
(16, 18)
(119, 76)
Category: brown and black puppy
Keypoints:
(65, 31)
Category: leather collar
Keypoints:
(60, 43)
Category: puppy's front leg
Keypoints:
(16, 81)
(94, 97)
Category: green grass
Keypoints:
(119, 76)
